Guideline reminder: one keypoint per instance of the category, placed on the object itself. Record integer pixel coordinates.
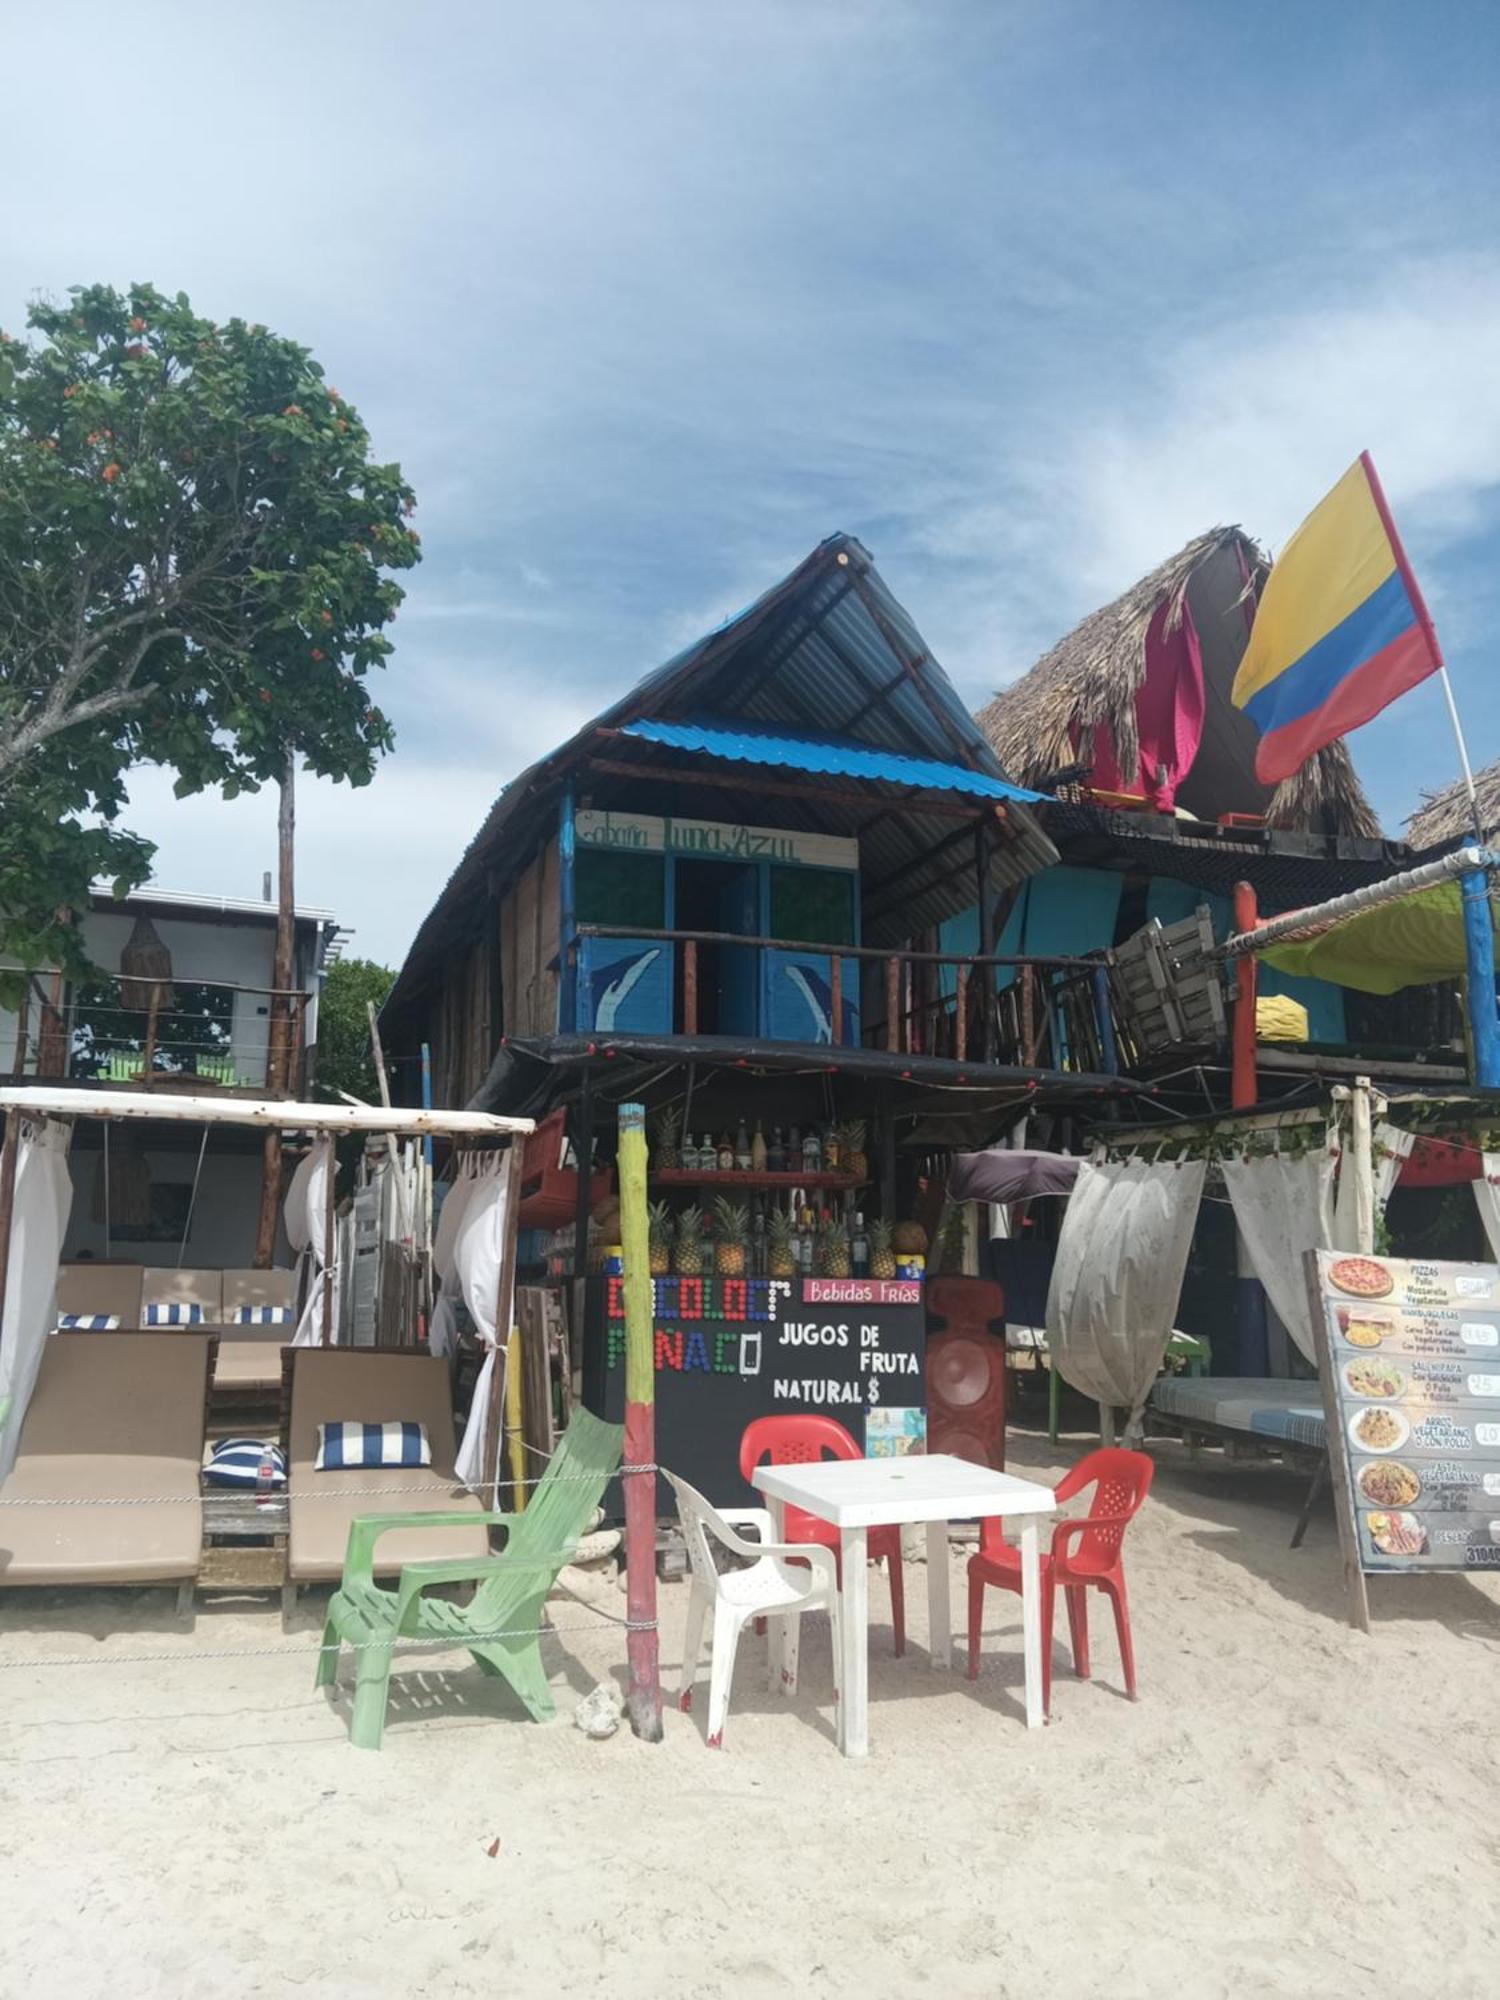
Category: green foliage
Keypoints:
(195, 570)
(345, 1059)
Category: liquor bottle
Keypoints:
(759, 1153)
(742, 1149)
(776, 1153)
(793, 1150)
(812, 1152)
(859, 1247)
(833, 1153)
(725, 1161)
(758, 1243)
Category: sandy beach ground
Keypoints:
(1291, 1808)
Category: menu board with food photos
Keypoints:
(1410, 1364)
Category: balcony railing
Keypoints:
(72, 1035)
(1034, 1013)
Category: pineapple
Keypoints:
(781, 1255)
(852, 1149)
(831, 1251)
(731, 1225)
(659, 1216)
(690, 1245)
(668, 1157)
(882, 1251)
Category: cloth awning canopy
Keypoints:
(1000, 1175)
(826, 756)
(277, 1114)
(1414, 942)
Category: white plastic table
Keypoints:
(858, 1494)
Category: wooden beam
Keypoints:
(912, 668)
(279, 1115)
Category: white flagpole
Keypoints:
(1463, 752)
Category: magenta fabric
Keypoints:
(1168, 716)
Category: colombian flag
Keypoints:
(1340, 631)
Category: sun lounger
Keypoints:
(249, 1356)
(365, 1385)
(100, 1291)
(117, 1416)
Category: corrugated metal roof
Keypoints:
(830, 756)
(826, 650)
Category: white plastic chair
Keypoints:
(783, 1580)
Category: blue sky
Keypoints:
(647, 299)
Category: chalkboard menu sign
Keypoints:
(1410, 1362)
(728, 1350)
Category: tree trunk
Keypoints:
(280, 1055)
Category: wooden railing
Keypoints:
(61, 1036)
(1051, 1013)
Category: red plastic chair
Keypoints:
(799, 1440)
(1085, 1555)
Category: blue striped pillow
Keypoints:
(87, 1322)
(262, 1316)
(173, 1314)
(236, 1462)
(341, 1446)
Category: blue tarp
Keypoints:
(828, 756)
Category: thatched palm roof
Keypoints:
(1446, 815)
(1093, 676)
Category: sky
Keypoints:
(647, 299)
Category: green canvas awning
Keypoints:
(1417, 941)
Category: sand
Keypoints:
(1291, 1808)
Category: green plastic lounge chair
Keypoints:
(499, 1623)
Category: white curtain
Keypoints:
(1392, 1146)
(1117, 1274)
(478, 1253)
(39, 1219)
(1284, 1205)
(442, 1336)
(308, 1200)
(1487, 1195)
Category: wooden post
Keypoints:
(1242, 1084)
(1479, 952)
(328, 1241)
(567, 840)
(9, 1151)
(690, 987)
(893, 1003)
(494, 1427)
(148, 1060)
(961, 1012)
(1355, 1590)
(279, 1032)
(644, 1697)
(836, 1000)
(987, 1023)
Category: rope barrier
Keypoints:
(280, 1494)
(456, 1642)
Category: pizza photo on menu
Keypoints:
(1361, 1277)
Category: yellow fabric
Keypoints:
(1415, 942)
(1338, 557)
(1280, 1019)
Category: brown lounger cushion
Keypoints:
(86, 1289)
(112, 1414)
(352, 1385)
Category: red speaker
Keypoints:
(966, 1370)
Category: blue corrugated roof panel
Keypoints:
(829, 756)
